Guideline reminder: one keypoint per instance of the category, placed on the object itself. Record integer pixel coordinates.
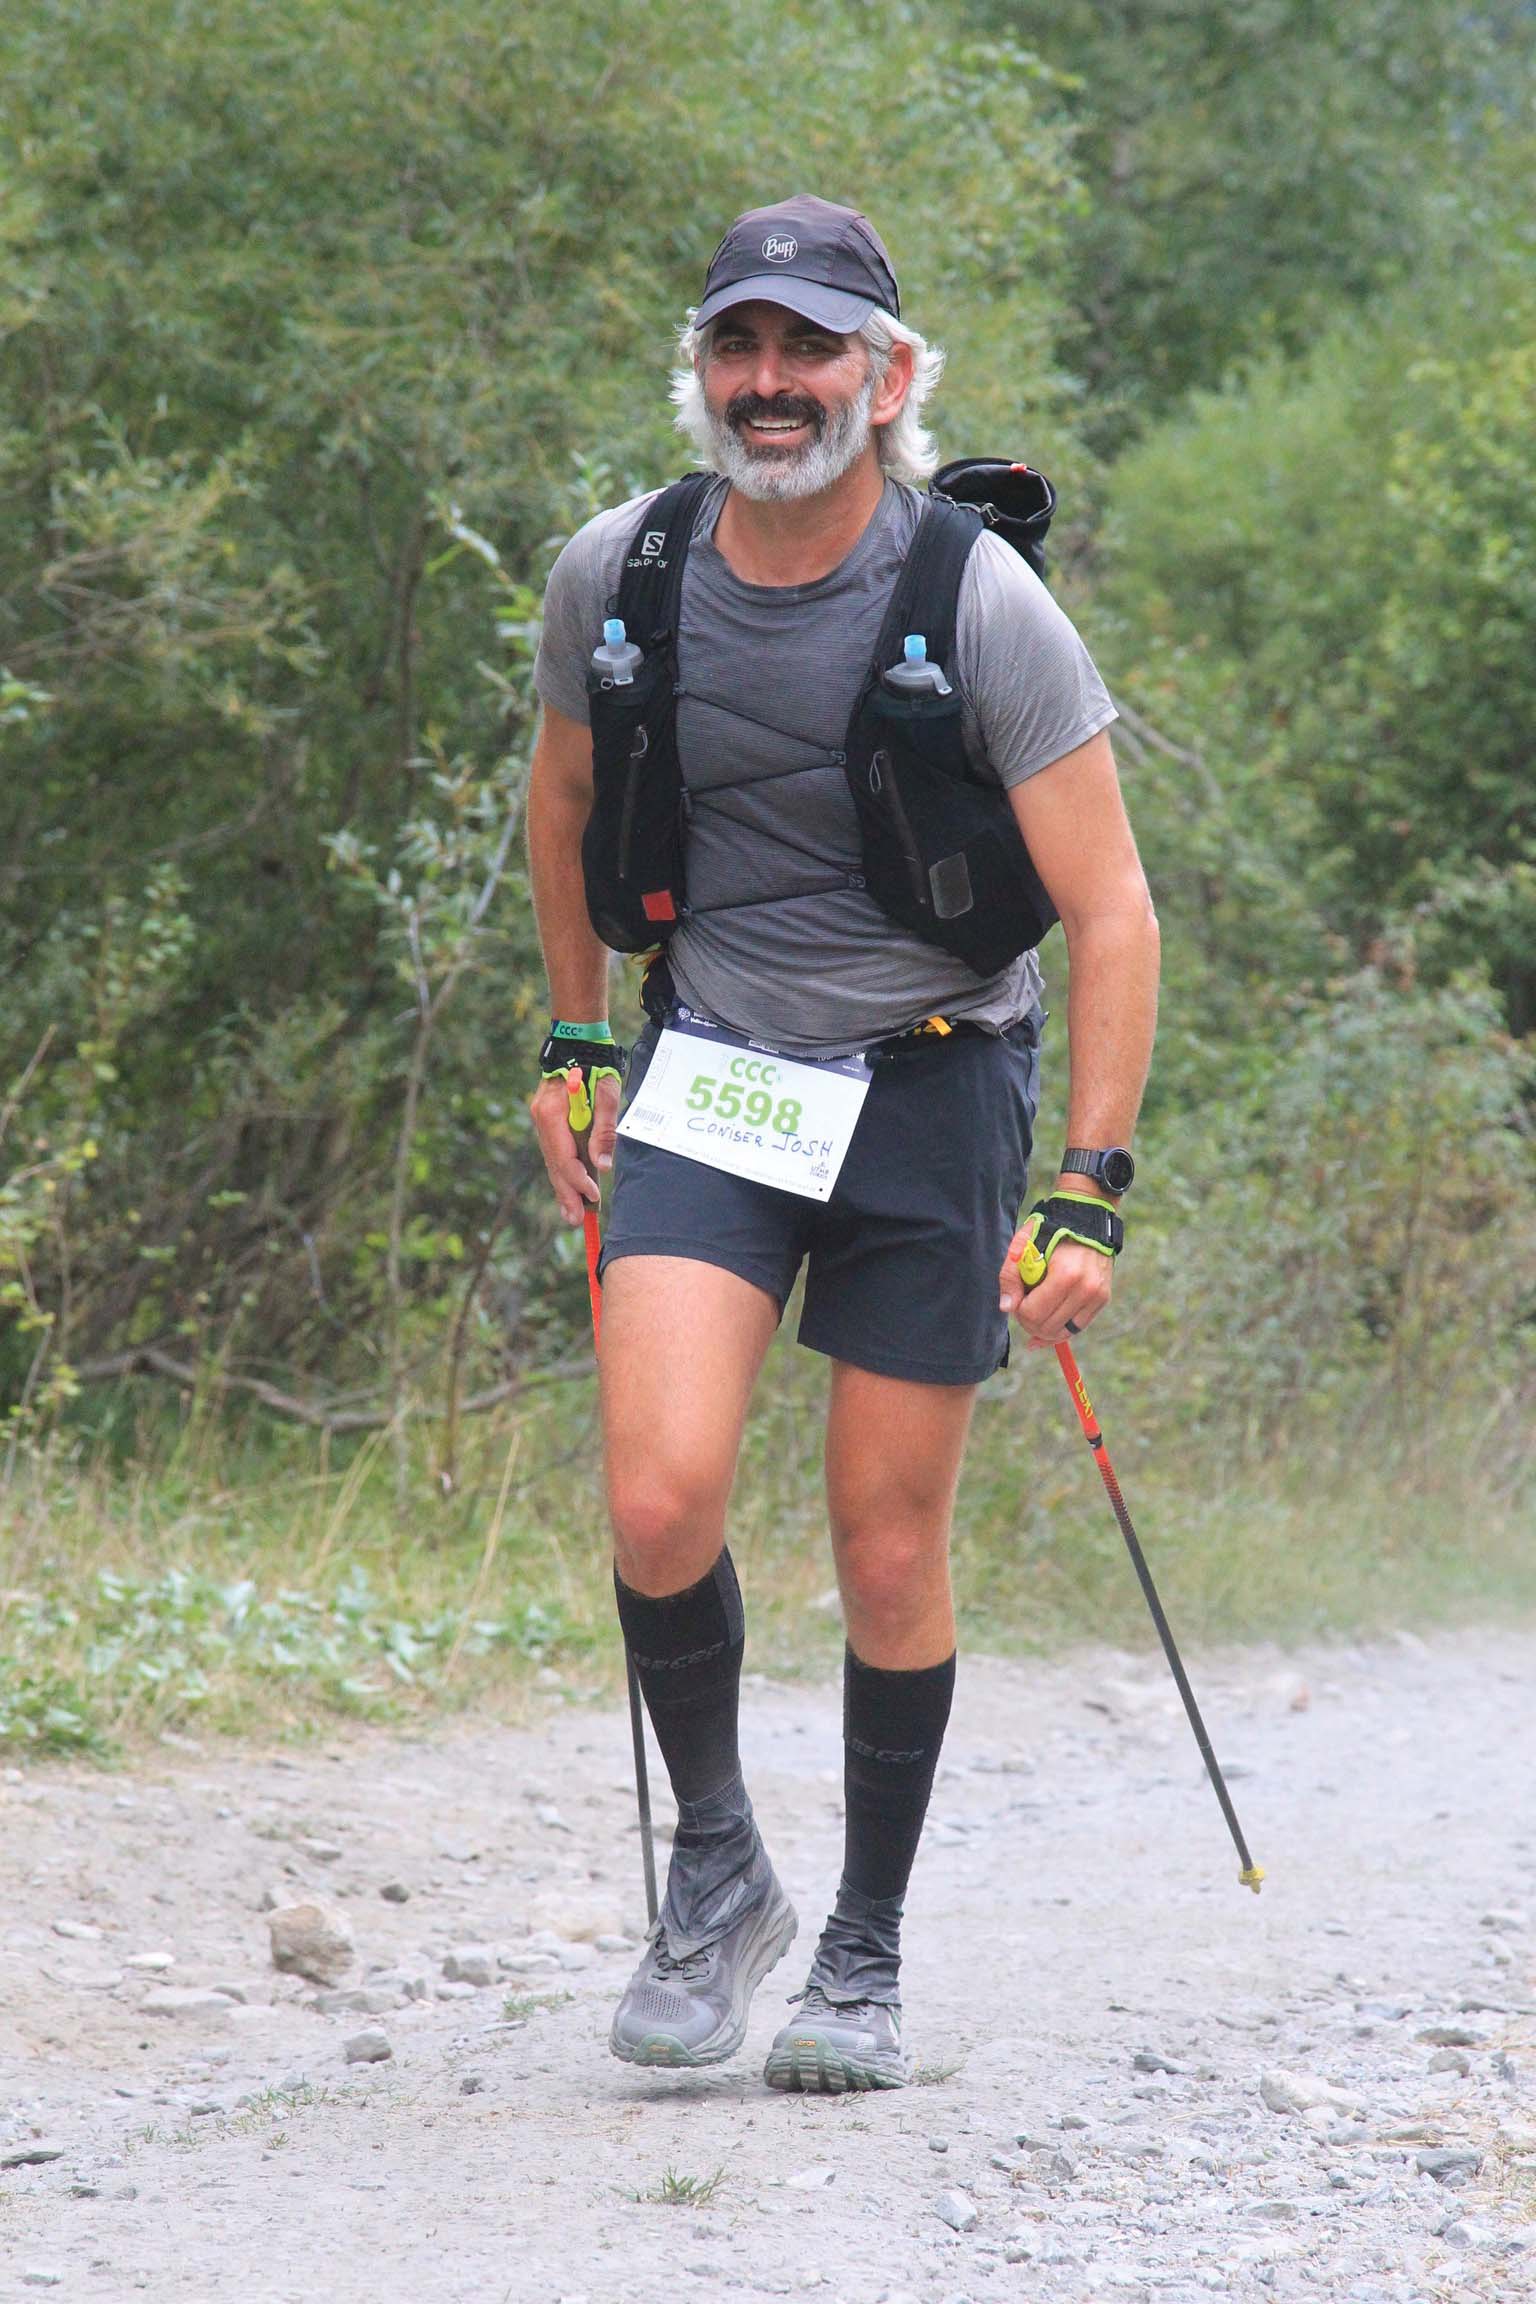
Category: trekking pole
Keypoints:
(1031, 1269)
(581, 1122)
(1251, 1873)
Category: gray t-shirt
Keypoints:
(770, 675)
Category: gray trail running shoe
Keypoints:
(832, 2046)
(848, 2032)
(687, 2002)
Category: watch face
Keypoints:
(1118, 1171)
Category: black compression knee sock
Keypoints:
(687, 1650)
(893, 1727)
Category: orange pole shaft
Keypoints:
(1080, 1399)
(594, 1285)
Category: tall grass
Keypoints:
(221, 1576)
(1316, 1382)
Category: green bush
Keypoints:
(1346, 546)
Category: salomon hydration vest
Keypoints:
(942, 852)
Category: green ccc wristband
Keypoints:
(560, 1030)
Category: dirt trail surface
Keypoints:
(1108, 2030)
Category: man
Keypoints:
(803, 392)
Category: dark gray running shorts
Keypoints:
(903, 1260)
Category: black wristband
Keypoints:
(558, 1055)
(1088, 1220)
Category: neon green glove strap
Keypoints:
(1075, 1216)
(589, 1049)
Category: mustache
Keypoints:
(785, 408)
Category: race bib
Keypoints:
(739, 1105)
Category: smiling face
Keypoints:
(791, 406)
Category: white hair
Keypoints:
(905, 446)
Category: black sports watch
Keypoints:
(1114, 1169)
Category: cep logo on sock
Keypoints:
(892, 1759)
(678, 1663)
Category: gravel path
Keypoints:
(1104, 2022)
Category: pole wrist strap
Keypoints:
(591, 1048)
(1089, 1222)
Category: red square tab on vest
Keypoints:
(659, 905)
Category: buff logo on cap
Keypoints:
(824, 262)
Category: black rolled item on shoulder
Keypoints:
(1014, 500)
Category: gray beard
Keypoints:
(784, 476)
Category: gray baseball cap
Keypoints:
(827, 263)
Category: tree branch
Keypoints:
(12, 1103)
(153, 1360)
(1144, 738)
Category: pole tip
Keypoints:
(1251, 1877)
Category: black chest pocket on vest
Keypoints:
(632, 848)
(943, 853)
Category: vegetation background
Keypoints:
(320, 327)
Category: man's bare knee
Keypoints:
(890, 1577)
(667, 1532)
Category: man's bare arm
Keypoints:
(576, 959)
(1075, 827)
(559, 803)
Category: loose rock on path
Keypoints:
(1136, 2083)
